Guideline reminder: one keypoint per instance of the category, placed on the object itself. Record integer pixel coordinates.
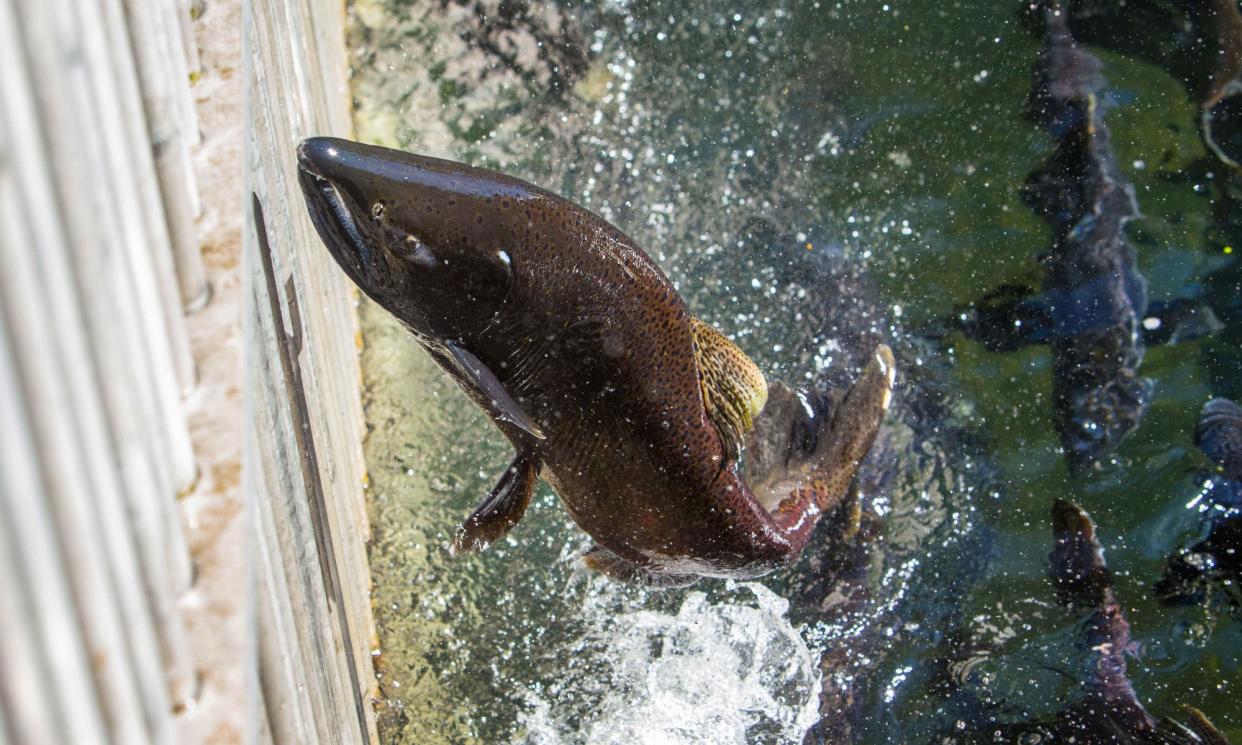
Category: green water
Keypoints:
(888, 137)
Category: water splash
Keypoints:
(726, 671)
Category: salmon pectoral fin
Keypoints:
(489, 392)
(606, 562)
(502, 509)
(734, 390)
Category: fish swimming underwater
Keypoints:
(1217, 559)
(585, 357)
(1198, 42)
(1106, 709)
(1094, 297)
(1111, 710)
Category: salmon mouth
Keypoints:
(333, 215)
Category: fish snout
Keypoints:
(321, 156)
(330, 163)
(323, 168)
(340, 213)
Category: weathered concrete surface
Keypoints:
(218, 606)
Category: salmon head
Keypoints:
(427, 239)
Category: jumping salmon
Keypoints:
(584, 355)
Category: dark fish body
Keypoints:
(1111, 711)
(1199, 42)
(1014, 316)
(1097, 394)
(1218, 433)
(583, 354)
(1093, 296)
(1084, 582)
(1218, 557)
(1108, 710)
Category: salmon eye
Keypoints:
(377, 211)
(417, 252)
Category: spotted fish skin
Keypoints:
(575, 343)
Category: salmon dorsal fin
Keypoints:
(734, 390)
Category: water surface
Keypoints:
(754, 150)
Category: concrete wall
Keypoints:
(304, 424)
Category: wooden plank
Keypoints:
(132, 141)
(146, 355)
(172, 126)
(94, 345)
(45, 681)
(86, 78)
(53, 362)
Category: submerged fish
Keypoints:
(1218, 434)
(583, 354)
(1218, 557)
(1108, 710)
(1111, 711)
(1093, 296)
(1015, 316)
(1199, 42)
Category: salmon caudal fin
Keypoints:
(806, 447)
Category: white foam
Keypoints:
(721, 673)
